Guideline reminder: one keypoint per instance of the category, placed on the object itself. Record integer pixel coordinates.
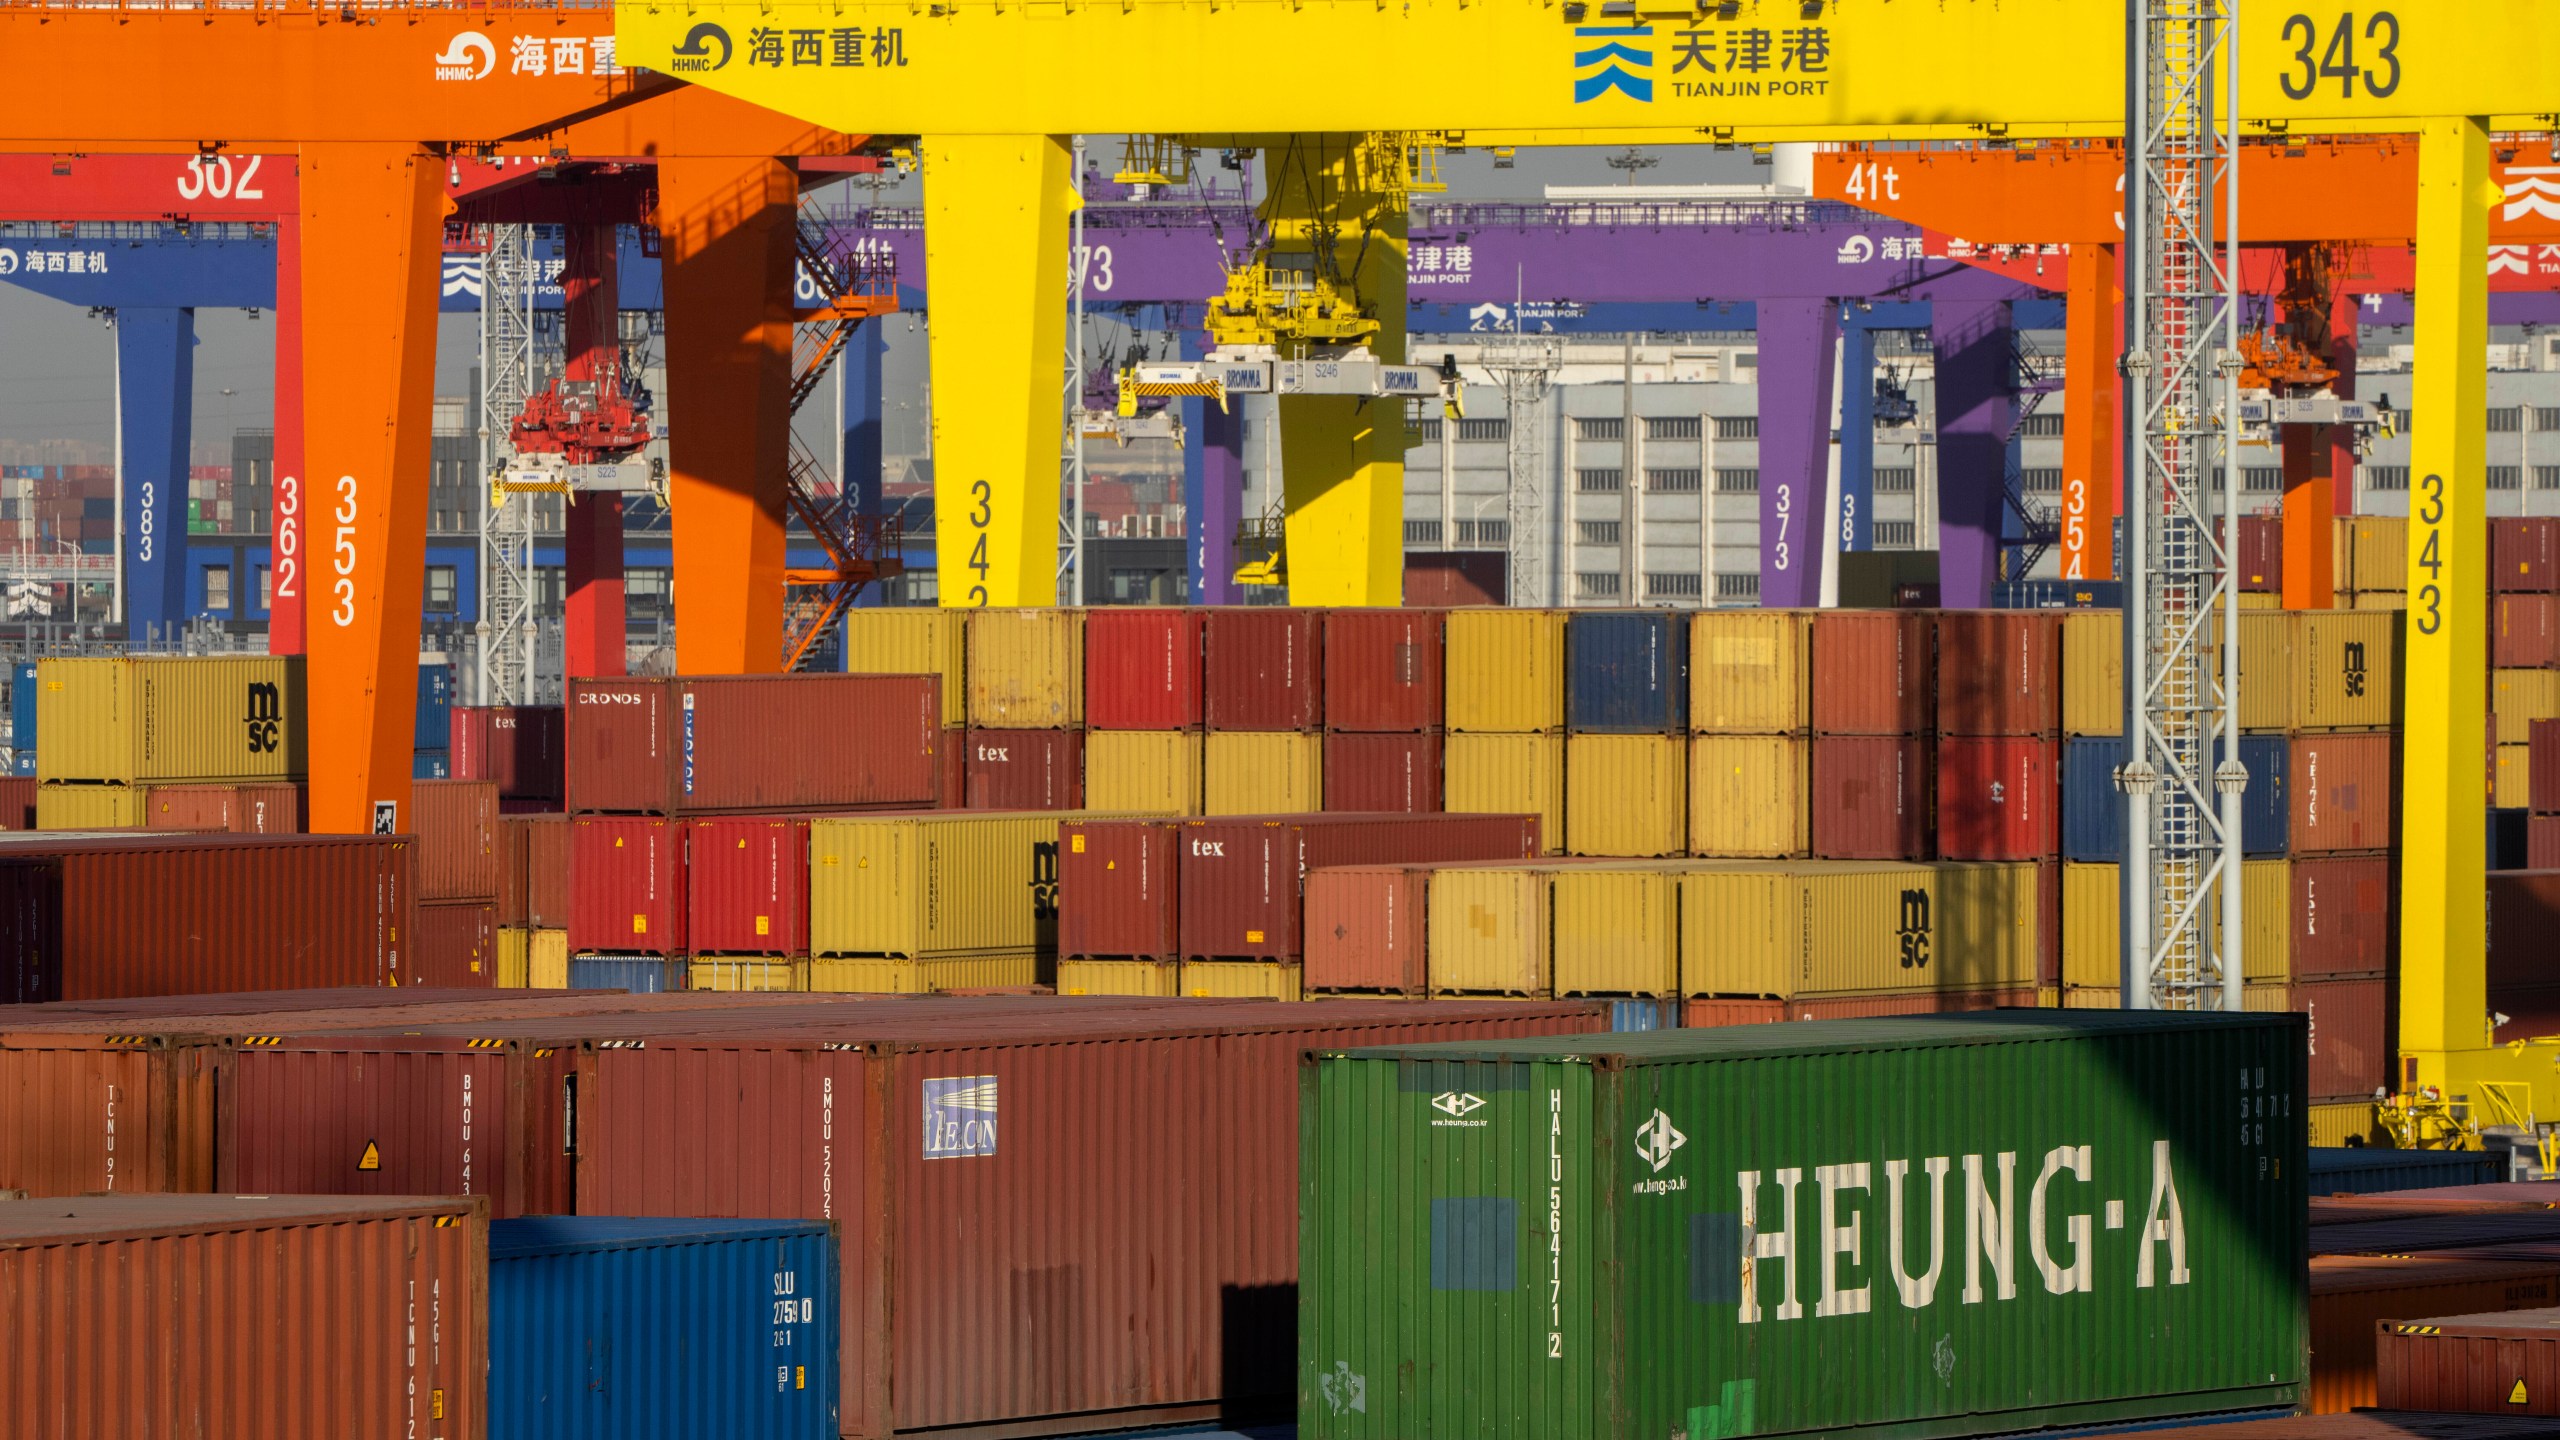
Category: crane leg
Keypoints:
(594, 635)
(372, 217)
(1976, 349)
(286, 579)
(1796, 344)
(996, 264)
(155, 400)
(2310, 560)
(727, 229)
(2091, 497)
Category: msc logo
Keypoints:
(1614, 57)
(959, 1117)
(265, 719)
(2352, 657)
(694, 55)
(467, 56)
(1455, 1105)
(1912, 930)
(1656, 1140)
(1044, 880)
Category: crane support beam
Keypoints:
(996, 264)
(1798, 339)
(155, 405)
(2092, 489)
(2443, 877)
(286, 559)
(373, 244)
(728, 231)
(1976, 346)
(593, 635)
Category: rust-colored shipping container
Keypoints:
(2524, 915)
(1265, 669)
(263, 808)
(2542, 842)
(2524, 632)
(1142, 669)
(1915, 1002)
(546, 872)
(377, 1115)
(2341, 785)
(2351, 1022)
(1874, 672)
(456, 822)
(1243, 879)
(951, 771)
(513, 843)
(1713, 1011)
(456, 944)
(1024, 769)
(1379, 771)
(2490, 1363)
(626, 891)
(746, 883)
(2351, 1294)
(1442, 579)
(1872, 796)
(217, 1316)
(693, 744)
(1998, 797)
(1118, 890)
(1999, 672)
(1367, 929)
(2261, 558)
(2343, 919)
(18, 802)
(90, 916)
(92, 1114)
(2524, 554)
(519, 748)
(1382, 670)
(2543, 767)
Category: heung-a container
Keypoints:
(1933, 1226)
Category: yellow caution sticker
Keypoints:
(639, 924)
(1107, 864)
(799, 1377)
(2516, 1396)
(617, 842)
(1076, 844)
(435, 1403)
(764, 925)
(371, 1159)
(1253, 937)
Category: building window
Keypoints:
(1895, 535)
(1737, 427)
(1423, 432)
(217, 589)
(2386, 477)
(1422, 532)
(1597, 584)
(2506, 477)
(2506, 421)
(1497, 428)
(1599, 427)
(440, 589)
(2041, 425)
(1600, 482)
(1671, 427)
(2262, 479)
(1738, 587)
(2041, 480)
(1598, 532)
(1672, 482)
(266, 589)
(1897, 479)
(1676, 586)
(2546, 417)
(1738, 482)
(2546, 477)
(1484, 532)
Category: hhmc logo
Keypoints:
(1614, 57)
(1913, 929)
(265, 719)
(1656, 1139)
(1455, 1105)
(694, 55)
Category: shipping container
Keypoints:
(1750, 795)
(1118, 890)
(1716, 1012)
(18, 799)
(1819, 928)
(2342, 792)
(2093, 672)
(628, 884)
(547, 959)
(2381, 552)
(1874, 672)
(742, 975)
(2378, 600)
(2093, 922)
(2542, 842)
(1265, 669)
(891, 975)
(1142, 669)
(2524, 554)
(746, 882)
(1433, 1250)
(200, 1315)
(2362, 1170)
(2345, 669)
(2351, 1026)
(1443, 579)
(1382, 771)
(2261, 558)
(1997, 796)
(1243, 980)
(1626, 672)
(1910, 1002)
(1491, 929)
(1872, 797)
(1367, 929)
(2266, 699)
(456, 824)
(1507, 774)
(2518, 698)
(639, 974)
(1505, 671)
(69, 807)
(2511, 782)
(1025, 769)
(1999, 672)
(142, 720)
(1627, 795)
(693, 744)
(1261, 772)
(1151, 771)
(2352, 1294)
(379, 1115)
(1243, 880)
(2345, 919)
(2524, 631)
(275, 808)
(2093, 808)
(546, 870)
(1026, 669)
(1382, 670)
(1750, 672)
(519, 748)
(913, 640)
(1617, 930)
(2524, 915)
(917, 885)
(456, 944)
(1119, 977)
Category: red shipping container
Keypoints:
(1998, 798)
(1874, 672)
(1142, 669)
(270, 808)
(2350, 1035)
(1381, 772)
(2524, 555)
(696, 744)
(87, 917)
(2524, 915)
(2261, 560)
(1872, 797)
(1443, 579)
(546, 872)
(1705, 1014)
(1999, 672)
(1244, 879)
(2341, 787)
(17, 802)
(626, 891)
(1025, 769)
(2542, 842)
(519, 747)
(375, 1115)
(456, 945)
(202, 1315)
(1118, 890)
(2498, 1363)
(2524, 632)
(2343, 921)
(456, 822)
(747, 885)
(1382, 670)
(1265, 668)
(1366, 929)
(2543, 762)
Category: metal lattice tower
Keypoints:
(2182, 374)
(510, 641)
(1525, 368)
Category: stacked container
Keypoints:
(1025, 746)
(933, 900)
(1750, 725)
(1505, 749)
(2524, 649)
(1999, 735)
(926, 640)
(1143, 710)
(1626, 723)
(1383, 710)
(2542, 834)
(533, 900)
(1874, 705)
(1120, 907)
(2376, 576)
(518, 748)
(433, 741)
(1264, 675)
(115, 726)
(461, 861)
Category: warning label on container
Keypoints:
(371, 1159)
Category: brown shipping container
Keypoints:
(1874, 672)
(86, 1114)
(2495, 1363)
(194, 1315)
(2351, 1294)
(2343, 920)
(266, 808)
(1366, 928)
(1441, 579)
(1998, 797)
(1025, 769)
(1382, 670)
(746, 881)
(2341, 786)
(2350, 1033)
(1712, 1012)
(2543, 738)
(456, 822)
(2524, 915)
(1118, 895)
(1382, 772)
(1872, 797)
(2524, 632)
(379, 1115)
(1142, 669)
(456, 945)
(18, 802)
(513, 840)
(546, 872)
(1999, 672)
(626, 885)
(1243, 879)
(752, 742)
(1265, 669)
(951, 771)
(1918, 1002)
(2542, 842)
(2524, 554)
(100, 916)
(516, 747)
(2261, 561)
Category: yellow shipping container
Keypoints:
(1489, 930)
(2093, 672)
(1617, 930)
(916, 885)
(1119, 977)
(2381, 558)
(2345, 669)
(90, 807)
(2262, 999)
(1741, 930)
(1857, 928)
(1026, 669)
(789, 976)
(2266, 684)
(515, 945)
(1494, 774)
(1748, 795)
(2342, 556)
(2261, 600)
(1503, 669)
(1242, 979)
(913, 640)
(1626, 794)
(2520, 697)
(1153, 772)
(2514, 790)
(1262, 772)
(2380, 600)
(2092, 919)
(167, 719)
(2333, 1126)
(547, 960)
(885, 975)
(1750, 672)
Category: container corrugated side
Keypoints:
(2518, 698)
(746, 880)
(1265, 669)
(2093, 672)
(2344, 919)
(1026, 668)
(104, 1114)
(1243, 980)
(913, 640)
(1491, 929)
(1506, 774)
(143, 719)
(892, 975)
(2524, 630)
(2381, 552)
(1505, 670)
(2350, 1294)
(1617, 930)
(2342, 792)
(1999, 672)
(2524, 554)
(1748, 795)
(913, 885)
(1626, 795)
(1382, 771)
(546, 871)
(1832, 928)
(456, 822)
(519, 747)
(2492, 1364)
(1367, 928)
(515, 957)
(629, 883)
(1154, 771)
(1025, 769)
(547, 960)
(1243, 879)
(707, 744)
(1382, 670)
(1998, 796)
(92, 807)
(456, 945)
(2092, 922)
(1626, 672)
(1873, 797)
(2345, 669)
(1118, 889)
(1750, 672)
(378, 1115)
(1142, 669)
(1119, 977)
(1874, 672)
(1262, 772)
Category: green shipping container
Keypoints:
(1934, 1226)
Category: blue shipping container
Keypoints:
(431, 765)
(639, 974)
(2093, 813)
(435, 708)
(22, 718)
(1635, 1015)
(1627, 672)
(640, 1329)
(2355, 1170)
